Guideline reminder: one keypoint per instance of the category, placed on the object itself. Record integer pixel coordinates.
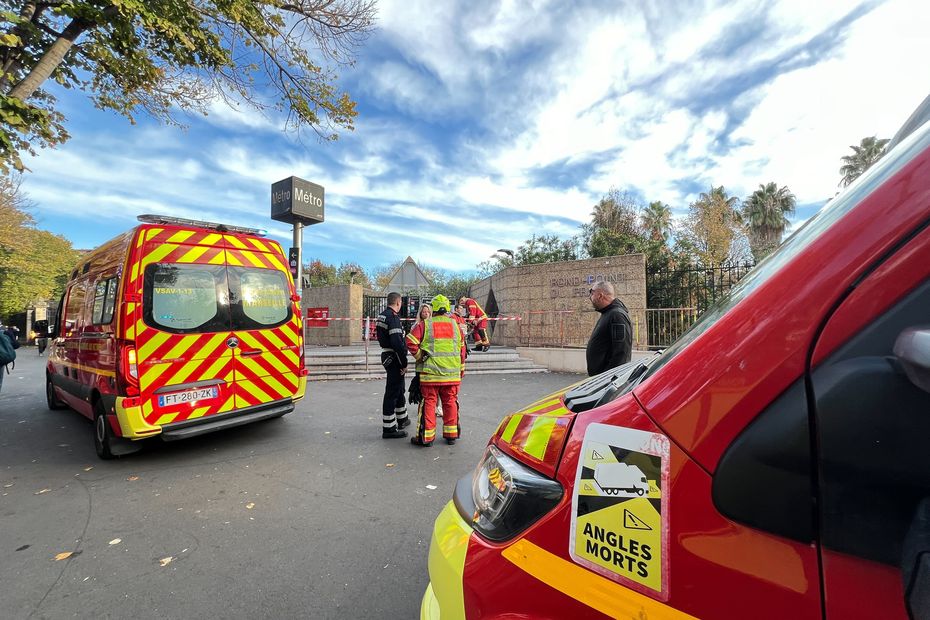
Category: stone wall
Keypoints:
(553, 303)
(343, 300)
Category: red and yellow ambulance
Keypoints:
(772, 463)
(174, 329)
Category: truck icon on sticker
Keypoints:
(617, 478)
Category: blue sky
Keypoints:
(482, 123)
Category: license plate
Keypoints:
(190, 396)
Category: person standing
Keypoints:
(478, 318)
(439, 350)
(394, 359)
(611, 342)
(8, 348)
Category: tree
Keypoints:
(161, 56)
(869, 151)
(766, 214)
(352, 273)
(711, 227)
(320, 273)
(535, 250)
(614, 227)
(34, 264)
(657, 220)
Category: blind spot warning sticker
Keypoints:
(620, 507)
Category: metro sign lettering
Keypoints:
(295, 200)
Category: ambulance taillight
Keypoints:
(128, 369)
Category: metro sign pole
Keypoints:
(300, 203)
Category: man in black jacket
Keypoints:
(394, 359)
(611, 342)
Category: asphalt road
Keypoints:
(309, 516)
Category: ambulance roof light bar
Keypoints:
(149, 218)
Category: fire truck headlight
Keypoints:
(504, 496)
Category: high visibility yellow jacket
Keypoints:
(439, 349)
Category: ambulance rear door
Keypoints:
(182, 329)
(265, 323)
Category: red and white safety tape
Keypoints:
(372, 319)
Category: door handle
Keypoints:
(250, 353)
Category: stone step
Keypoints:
(340, 375)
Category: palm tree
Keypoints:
(766, 213)
(869, 151)
(657, 220)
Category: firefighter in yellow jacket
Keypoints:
(439, 349)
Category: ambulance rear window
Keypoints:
(261, 299)
(186, 298)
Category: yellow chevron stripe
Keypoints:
(194, 254)
(272, 336)
(198, 413)
(273, 258)
(152, 374)
(166, 418)
(210, 239)
(215, 368)
(251, 363)
(157, 254)
(282, 390)
(255, 391)
(147, 408)
(135, 272)
(153, 232)
(252, 258)
(183, 345)
(259, 245)
(235, 241)
(250, 340)
(232, 260)
(181, 236)
(228, 405)
(149, 347)
(219, 259)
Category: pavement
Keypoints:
(312, 515)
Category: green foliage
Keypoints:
(615, 226)
(766, 213)
(352, 273)
(320, 273)
(533, 251)
(712, 226)
(869, 151)
(34, 264)
(164, 56)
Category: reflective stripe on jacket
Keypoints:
(438, 347)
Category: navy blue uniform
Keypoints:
(393, 358)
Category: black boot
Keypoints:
(393, 433)
(450, 441)
(419, 442)
(403, 423)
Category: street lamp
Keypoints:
(507, 252)
(352, 275)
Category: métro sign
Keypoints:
(294, 201)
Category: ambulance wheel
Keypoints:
(50, 397)
(103, 434)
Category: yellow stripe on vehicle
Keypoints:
(511, 428)
(538, 437)
(152, 374)
(219, 259)
(193, 254)
(157, 254)
(586, 587)
(211, 239)
(165, 418)
(259, 245)
(272, 337)
(447, 552)
(255, 391)
(146, 350)
(153, 232)
(282, 390)
(182, 345)
(96, 371)
(181, 236)
(198, 413)
(235, 241)
(228, 405)
(232, 260)
(252, 258)
(273, 259)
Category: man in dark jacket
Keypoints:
(611, 342)
(394, 359)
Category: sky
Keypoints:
(482, 123)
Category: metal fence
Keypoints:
(677, 297)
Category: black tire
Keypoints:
(103, 434)
(50, 397)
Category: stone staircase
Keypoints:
(332, 363)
